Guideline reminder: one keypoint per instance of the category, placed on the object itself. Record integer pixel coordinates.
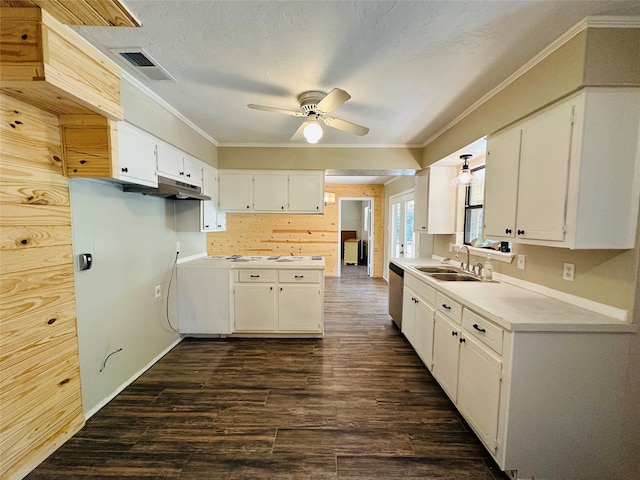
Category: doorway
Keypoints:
(401, 235)
(355, 228)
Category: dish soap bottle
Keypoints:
(488, 269)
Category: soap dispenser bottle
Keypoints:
(488, 269)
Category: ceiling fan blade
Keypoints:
(293, 113)
(332, 100)
(298, 134)
(345, 126)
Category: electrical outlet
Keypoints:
(568, 271)
(521, 262)
(158, 291)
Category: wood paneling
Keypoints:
(275, 234)
(90, 145)
(46, 64)
(40, 401)
(101, 13)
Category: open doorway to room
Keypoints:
(355, 234)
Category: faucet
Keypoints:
(462, 264)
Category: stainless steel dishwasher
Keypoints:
(396, 285)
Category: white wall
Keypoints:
(351, 216)
(132, 240)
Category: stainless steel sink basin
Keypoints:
(455, 277)
(438, 269)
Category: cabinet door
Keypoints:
(255, 307)
(420, 203)
(306, 192)
(137, 156)
(409, 299)
(170, 162)
(203, 300)
(269, 192)
(299, 308)
(446, 346)
(424, 319)
(192, 170)
(479, 390)
(210, 181)
(235, 192)
(544, 172)
(501, 184)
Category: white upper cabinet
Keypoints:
(202, 215)
(567, 176)
(137, 156)
(176, 164)
(306, 192)
(268, 191)
(435, 201)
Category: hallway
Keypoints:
(358, 404)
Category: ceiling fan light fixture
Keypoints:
(465, 178)
(312, 131)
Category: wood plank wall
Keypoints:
(289, 234)
(40, 399)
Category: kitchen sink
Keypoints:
(438, 269)
(455, 277)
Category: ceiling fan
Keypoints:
(315, 106)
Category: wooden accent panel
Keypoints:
(89, 145)
(48, 65)
(40, 398)
(102, 13)
(291, 234)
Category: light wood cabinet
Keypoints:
(546, 182)
(351, 251)
(268, 191)
(435, 201)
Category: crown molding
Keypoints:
(597, 21)
(151, 94)
(308, 145)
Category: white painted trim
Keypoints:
(151, 94)
(90, 413)
(588, 22)
(191, 257)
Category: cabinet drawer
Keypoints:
(448, 307)
(256, 275)
(299, 276)
(423, 290)
(485, 331)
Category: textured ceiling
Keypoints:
(410, 67)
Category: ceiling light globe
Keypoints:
(312, 131)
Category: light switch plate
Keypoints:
(521, 262)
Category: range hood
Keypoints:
(169, 188)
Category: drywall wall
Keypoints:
(293, 234)
(320, 158)
(144, 112)
(132, 240)
(351, 216)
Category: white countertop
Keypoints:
(515, 308)
(247, 261)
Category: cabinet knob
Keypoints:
(124, 169)
(248, 206)
(454, 334)
(182, 173)
(507, 230)
(188, 175)
(282, 207)
(206, 226)
(423, 228)
(462, 340)
(520, 232)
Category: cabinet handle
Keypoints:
(271, 289)
(520, 232)
(282, 207)
(188, 175)
(280, 288)
(423, 228)
(507, 230)
(454, 334)
(475, 325)
(255, 276)
(248, 206)
(462, 340)
(446, 307)
(125, 169)
(317, 208)
(206, 226)
(298, 276)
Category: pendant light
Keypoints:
(465, 178)
(312, 130)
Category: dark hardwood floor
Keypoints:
(357, 404)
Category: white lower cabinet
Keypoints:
(418, 318)
(272, 301)
(446, 347)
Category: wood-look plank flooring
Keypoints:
(357, 404)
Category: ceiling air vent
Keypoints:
(144, 64)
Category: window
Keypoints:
(401, 231)
(473, 207)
